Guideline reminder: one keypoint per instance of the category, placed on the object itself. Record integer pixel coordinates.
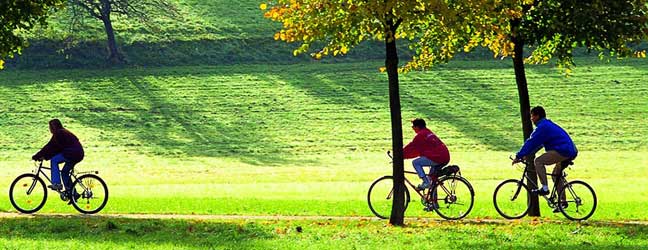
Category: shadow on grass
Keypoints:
(105, 233)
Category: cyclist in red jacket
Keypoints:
(429, 149)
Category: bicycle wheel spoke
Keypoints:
(580, 200)
(511, 199)
(454, 198)
(380, 197)
(91, 194)
(27, 193)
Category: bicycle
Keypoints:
(28, 192)
(579, 204)
(451, 196)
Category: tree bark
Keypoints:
(527, 127)
(113, 53)
(391, 64)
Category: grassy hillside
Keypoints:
(310, 138)
(203, 33)
(318, 108)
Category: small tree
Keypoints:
(104, 10)
(437, 29)
(553, 29)
(17, 16)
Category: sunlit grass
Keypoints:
(308, 139)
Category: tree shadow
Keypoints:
(169, 121)
(487, 104)
(105, 232)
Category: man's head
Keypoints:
(537, 113)
(55, 124)
(418, 124)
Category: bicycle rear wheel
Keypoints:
(511, 199)
(380, 196)
(581, 200)
(27, 193)
(92, 194)
(454, 197)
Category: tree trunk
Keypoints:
(527, 127)
(113, 53)
(391, 63)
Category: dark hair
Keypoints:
(539, 111)
(418, 122)
(55, 124)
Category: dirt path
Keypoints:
(305, 217)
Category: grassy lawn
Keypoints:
(308, 139)
(110, 233)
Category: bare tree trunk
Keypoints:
(113, 53)
(527, 127)
(391, 63)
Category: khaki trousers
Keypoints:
(549, 158)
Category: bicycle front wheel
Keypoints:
(453, 197)
(380, 196)
(580, 200)
(27, 193)
(90, 194)
(511, 199)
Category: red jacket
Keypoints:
(427, 144)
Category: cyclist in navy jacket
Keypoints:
(62, 147)
(557, 143)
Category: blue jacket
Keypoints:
(552, 137)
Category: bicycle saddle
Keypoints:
(564, 164)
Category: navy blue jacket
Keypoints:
(552, 137)
(62, 141)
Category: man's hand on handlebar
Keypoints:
(517, 160)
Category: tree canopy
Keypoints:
(436, 29)
(17, 16)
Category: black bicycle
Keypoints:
(512, 197)
(451, 196)
(28, 192)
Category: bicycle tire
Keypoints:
(381, 207)
(575, 200)
(89, 193)
(455, 197)
(512, 190)
(36, 184)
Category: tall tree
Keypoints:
(18, 16)
(553, 29)
(103, 10)
(436, 30)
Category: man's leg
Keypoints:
(548, 158)
(557, 178)
(67, 180)
(418, 166)
(56, 176)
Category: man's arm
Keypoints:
(533, 144)
(412, 148)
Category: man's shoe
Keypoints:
(56, 187)
(563, 204)
(540, 191)
(422, 186)
(76, 197)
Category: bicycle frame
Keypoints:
(551, 201)
(40, 171)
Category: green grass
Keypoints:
(308, 139)
(111, 233)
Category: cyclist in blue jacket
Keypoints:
(558, 147)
